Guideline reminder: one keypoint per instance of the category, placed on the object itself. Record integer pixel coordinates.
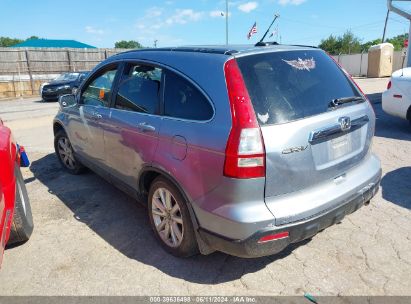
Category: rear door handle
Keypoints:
(146, 127)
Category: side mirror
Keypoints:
(68, 100)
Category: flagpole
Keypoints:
(226, 22)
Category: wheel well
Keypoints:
(57, 127)
(409, 114)
(146, 179)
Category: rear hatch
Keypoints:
(309, 135)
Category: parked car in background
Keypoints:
(66, 83)
(240, 149)
(396, 100)
(16, 222)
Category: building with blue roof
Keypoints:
(53, 43)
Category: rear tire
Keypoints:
(22, 225)
(170, 219)
(66, 155)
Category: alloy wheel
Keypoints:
(167, 217)
(66, 153)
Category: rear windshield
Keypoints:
(290, 85)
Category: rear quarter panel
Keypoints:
(394, 105)
(201, 170)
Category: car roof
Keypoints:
(223, 49)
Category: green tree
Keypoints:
(398, 41)
(345, 44)
(365, 46)
(33, 37)
(330, 45)
(7, 41)
(131, 44)
(349, 43)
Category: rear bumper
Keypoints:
(297, 231)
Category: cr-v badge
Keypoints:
(294, 149)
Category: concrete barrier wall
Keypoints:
(357, 64)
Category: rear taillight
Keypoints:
(244, 155)
(389, 85)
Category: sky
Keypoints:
(181, 22)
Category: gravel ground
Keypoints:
(91, 239)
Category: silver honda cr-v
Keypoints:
(240, 149)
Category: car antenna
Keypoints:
(261, 43)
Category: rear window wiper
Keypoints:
(343, 100)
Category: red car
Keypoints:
(16, 221)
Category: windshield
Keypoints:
(68, 77)
(290, 85)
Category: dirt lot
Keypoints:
(91, 239)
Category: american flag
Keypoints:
(252, 31)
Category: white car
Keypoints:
(396, 100)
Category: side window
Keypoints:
(183, 100)
(98, 92)
(139, 90)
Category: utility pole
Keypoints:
(226, 22)
(385, 27)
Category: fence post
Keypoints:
(70, 67)
(14, 85)
(21, 91)
(362, 52)
(29, 70)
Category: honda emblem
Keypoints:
(345, 123)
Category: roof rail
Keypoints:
(222, 51)
(308, 46)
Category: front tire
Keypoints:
(170, 219)
(22, 225)
(65, 153)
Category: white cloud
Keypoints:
(182, 16)
(92, 30)
(250, 6)
(292, 2)
(154, 12)
(155, 20)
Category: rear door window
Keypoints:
(139, 90)
(183, 100)
(290, 85)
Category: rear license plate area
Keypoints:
(340, 146)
